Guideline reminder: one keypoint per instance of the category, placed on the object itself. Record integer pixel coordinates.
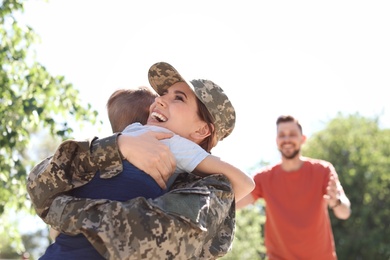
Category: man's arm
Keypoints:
(193, 221)
(336, 197)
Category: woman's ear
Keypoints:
(202, 132)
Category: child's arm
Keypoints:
(241, 182)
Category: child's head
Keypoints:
(201, 110)
(127, 106)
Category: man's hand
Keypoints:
(333, 191)
(337, 200)
(149, 155)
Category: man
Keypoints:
(298, 192)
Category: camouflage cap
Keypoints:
(163, 75)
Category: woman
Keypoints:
(194, 220)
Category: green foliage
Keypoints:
(11, 246)
(248, 242)
(30, 100)
(36, 243)
(32, 245)
(360, 152)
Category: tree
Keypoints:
(30, 99)
(360, 152)
(34, 243)
(248, 243)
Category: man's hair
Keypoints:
(127, 106)
(288, 118)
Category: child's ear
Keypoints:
(202, 132)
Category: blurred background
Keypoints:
(326, 63)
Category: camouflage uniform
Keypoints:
(195, 220)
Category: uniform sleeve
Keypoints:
(73, 164)
(193, 221)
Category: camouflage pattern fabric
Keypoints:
(163, 75)
(195, 220)
(55, 174)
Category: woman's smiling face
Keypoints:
(177, 110)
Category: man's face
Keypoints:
(289, 139)
(176, 110)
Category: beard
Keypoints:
(290, 156)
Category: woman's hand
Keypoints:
(150, 155)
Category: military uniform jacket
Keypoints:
(194, 220)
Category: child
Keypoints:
(126, 106)
(198, 111)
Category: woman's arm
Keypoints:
(194, 221)
(71, 166)
(76, 162)
(199, 217)
(148, 154)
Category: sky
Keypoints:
(310, 59)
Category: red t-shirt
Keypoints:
(297, 221)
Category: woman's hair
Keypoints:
(127, 106)
(286, 119)
(209, 142)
